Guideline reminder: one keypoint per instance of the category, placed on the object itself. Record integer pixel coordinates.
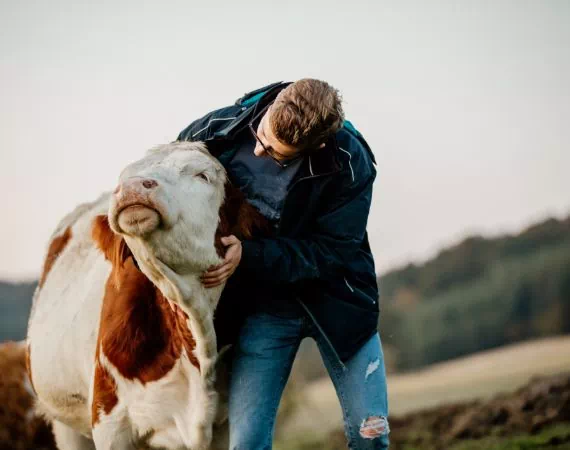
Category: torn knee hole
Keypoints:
(374, 427)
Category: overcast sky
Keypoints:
(466, 104)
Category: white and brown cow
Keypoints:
(121, 342)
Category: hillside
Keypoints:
(15, 304)
(477, 295)
(469, 260)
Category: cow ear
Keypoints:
(239, 218)
(112, 245)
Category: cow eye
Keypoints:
(203, 176)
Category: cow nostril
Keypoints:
(149, 184)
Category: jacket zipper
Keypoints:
(325, 337)
(348, 285)
(352, 289)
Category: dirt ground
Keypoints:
(541, 403)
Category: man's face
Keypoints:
(278, 149)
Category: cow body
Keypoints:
(121, 342)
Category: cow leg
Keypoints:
(113, 434)
(67, 438)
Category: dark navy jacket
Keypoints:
(320, 254)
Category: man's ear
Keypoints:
(239, 218)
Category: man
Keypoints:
(310, 173)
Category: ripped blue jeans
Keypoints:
(262, 362)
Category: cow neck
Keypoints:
(186, 291)
(141, 333)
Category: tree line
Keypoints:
(477, 295)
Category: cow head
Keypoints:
(169, 207)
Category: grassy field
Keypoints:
(483, 375)
(556, 437)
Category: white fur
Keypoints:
(178, 410)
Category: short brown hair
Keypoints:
(306, 113)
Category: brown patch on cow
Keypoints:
(112, 245)
(141, 333)
(56, 246)
(239, 218)
(104, 392)
(29, 366)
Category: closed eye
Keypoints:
(203, 176)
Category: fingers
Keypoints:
(213, 284)
(217, 275)
(213, 278)
(219, 270)
(229, 240)
(228, 260)
(212, 281)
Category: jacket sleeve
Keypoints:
(338, 235)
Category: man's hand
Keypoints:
(217, 275)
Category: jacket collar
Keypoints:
(322, 161)
(250, 104)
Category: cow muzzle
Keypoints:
(135, 208)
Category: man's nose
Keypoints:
(258, 150)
